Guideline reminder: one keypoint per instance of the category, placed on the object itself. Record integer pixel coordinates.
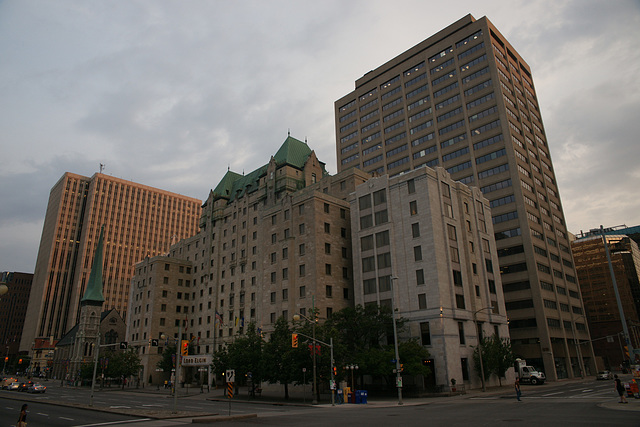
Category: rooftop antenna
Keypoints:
(101, 167)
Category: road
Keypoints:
(572, 403)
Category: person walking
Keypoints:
(517, 387)
(619, 388)
(22, 420)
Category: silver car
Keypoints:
(37, 388)
(604, 375)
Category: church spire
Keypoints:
(93, 291)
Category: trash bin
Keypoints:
(358, 397)
(352, 397)
(365, 396)
(340, 397)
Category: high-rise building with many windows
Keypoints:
(464, 99)
(139, 221)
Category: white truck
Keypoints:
(528, 374)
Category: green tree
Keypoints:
(167, 363)
(497, 357)
(243, 355)
(283, 363)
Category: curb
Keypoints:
(223, 418)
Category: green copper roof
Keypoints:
(224, 187)
(293, 152)
(93, 291)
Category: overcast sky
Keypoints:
(171, 93)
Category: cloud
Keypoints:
(172, 94)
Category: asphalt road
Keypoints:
(575, 403)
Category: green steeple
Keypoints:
(93, 291)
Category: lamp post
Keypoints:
(395, 344)
(475, 321)
(352, 368)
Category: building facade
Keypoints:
(464, 99)
(425, 242)
(596, 285)
(274, 242)
(139, 221)
(13, 309)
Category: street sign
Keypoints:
(124, 345)
(399, 382)
(230, 375)
(332, 384)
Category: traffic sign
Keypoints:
(230, 375)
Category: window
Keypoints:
(327, 269)
(381, 217)
(460, 301)
(302, 291)
(417, 253)
(327, 227)
(302, 270)
(327, 248)
(415, 230)
(413, 207)
(365, 202)
(422, 301)
(379, 197)
(366, 243)
(461, 333)
(425, 334)
(329, 291)
(382, 238)
(420, 277)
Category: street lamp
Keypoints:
(395, 344)
(352, 368)
(475, 321)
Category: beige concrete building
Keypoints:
(139, 221)
(274, 242)
(435, 236)
(464, 99)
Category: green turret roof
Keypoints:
(224, 188)
(293, 152)
(93, 291)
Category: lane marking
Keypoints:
(156, 405)
(587, 390)
(116, 422)
(65, 418)
(120, 407)
(40, 413)
(551, 394)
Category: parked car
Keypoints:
(25, 385)
(604, 375)
(37, 388)
(14, 386)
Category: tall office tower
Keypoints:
(600, 302)
(13, 309)
(422, 243)
(465, 100)
(139, 221)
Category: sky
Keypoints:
(171, 94)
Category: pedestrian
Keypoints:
(620, 389)
(518, 392)
(22, 420)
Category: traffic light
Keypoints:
(20, 362)
(184, 348)
(335, 371)
(294, 340)
(402, 367)
(124, 345)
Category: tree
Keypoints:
(167, 363)
(243, 355)
(497, 357)
(282, 363)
